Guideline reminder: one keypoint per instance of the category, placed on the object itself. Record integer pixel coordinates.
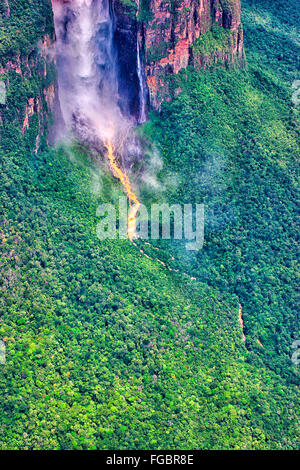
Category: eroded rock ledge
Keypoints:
(175, 33)
(182, 32)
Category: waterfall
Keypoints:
(88, 88)
(142, 87)
(88, 82)
(86, 64)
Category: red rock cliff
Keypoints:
(28, 70)
(176, 34)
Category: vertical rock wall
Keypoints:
(172, 31)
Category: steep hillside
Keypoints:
(175, 33)
(25, 37)
(178, 33)
(231, 137)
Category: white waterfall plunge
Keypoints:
(86, 64)
(142, 88)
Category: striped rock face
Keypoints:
(172, 31)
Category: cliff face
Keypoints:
(182, 32)
(171, 35)
(26, 70)
(125, 37)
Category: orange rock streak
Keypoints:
(132, 197)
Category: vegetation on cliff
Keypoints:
(22, 25)
(215, 40)
(231, 137)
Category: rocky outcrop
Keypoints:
(29, 111)
(36, 65)
(182, 32)
(171, 34)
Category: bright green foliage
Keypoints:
(144, 13)
(232, 138)
(215, 40)
(27, 22)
